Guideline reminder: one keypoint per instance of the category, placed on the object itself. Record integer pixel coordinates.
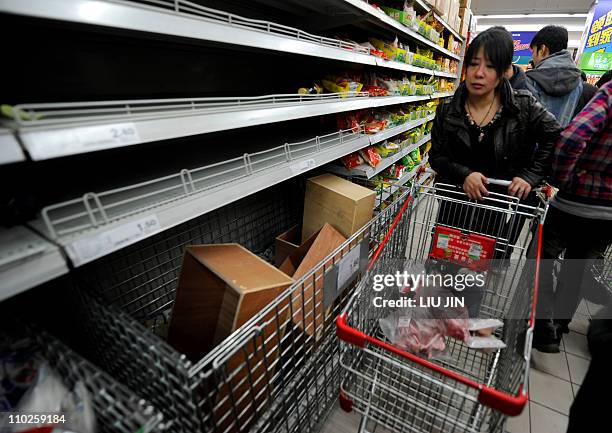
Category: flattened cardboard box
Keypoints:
(308, 312)
(286, 243)
(343, 204)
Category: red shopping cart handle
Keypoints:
(506, 403)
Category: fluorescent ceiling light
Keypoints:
(522, 16)
(526, 27)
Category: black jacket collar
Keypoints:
(455, 112)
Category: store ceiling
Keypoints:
(480, 7)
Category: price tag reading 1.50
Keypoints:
(90, 248)
(148, 226)
(54, 143)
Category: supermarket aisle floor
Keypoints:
(554, 381)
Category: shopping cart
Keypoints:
(468, 390)
(602, 270)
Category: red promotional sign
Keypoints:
(470, 250)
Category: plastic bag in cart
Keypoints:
(422, 328)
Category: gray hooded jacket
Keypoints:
(556, 82)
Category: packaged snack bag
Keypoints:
(370, 156)
(352, 160)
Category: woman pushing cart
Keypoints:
(486, 131)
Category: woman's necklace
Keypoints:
(481, 135)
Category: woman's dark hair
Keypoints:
(604, 79)
(498, 48)
(554, 37)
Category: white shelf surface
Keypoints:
(27, 260)
(380, 16)
(189, 20)
(367, 171)
(72, 128)
(392, 132)
(10, 151)
(446, 75)
(443, 95)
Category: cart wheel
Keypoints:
(345, 403)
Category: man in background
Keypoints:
(579, 220)
(555, 80)
(517, 78)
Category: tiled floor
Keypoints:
(554, 380)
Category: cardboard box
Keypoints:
(442, 7)
(465, 28)
(465, 22)
(453, 14)
(308, 311)
(343, 204)
(399, 15)
(286, 243)
(220, 287)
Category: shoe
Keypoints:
(546, 336)
(563, 326)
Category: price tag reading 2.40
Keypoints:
(54, 143)
(85, 250)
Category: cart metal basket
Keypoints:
(602, 270)
(117, 409)
(470, 390)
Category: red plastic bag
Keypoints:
(375, 90)
(352, 160)
(375, 126)
(370, 156)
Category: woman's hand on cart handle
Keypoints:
(474, 186)
(519, 188)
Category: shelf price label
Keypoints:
(303, 166)
(85, 250)
(55, 143)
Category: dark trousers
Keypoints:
(584, 240)
(589, 412)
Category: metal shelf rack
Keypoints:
(10, 151)
(367, 171)
(189, 20)
(61, 129)
(27, 260)
(76, 232)
(454, 32)
(379, 17)
(98, 224)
